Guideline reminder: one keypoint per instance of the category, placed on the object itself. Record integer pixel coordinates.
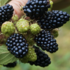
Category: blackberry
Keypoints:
(17, 45)
(53, 19)
(6, 13)
(46, 41)
(35, 8)
(11, 64)
(43, 59)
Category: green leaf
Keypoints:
(3, 2)
(5, 56)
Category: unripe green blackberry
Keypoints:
(22, 25)
(21, 19)
(18, 22)
(15, 18)
(30, 56)
(35, 28)
(7, 28)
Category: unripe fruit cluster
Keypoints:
(22, 26)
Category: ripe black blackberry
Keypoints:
(46, 41)
(53, 19)
(35, 8)
(43, 59)
(6, 13)
(11, 64)
(17, 45)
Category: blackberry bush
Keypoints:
(53, 19)
(43, 59)
(46, 41)
(17, 45)
(35, 8)
(6, 13)
(26, 38)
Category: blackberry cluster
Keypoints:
(6, 13)
(43, 59)
(46, 41)
(35, 8)
(11, 64)
(53, 19)
(17, 45)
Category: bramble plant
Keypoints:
(26, 39)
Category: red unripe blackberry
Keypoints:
(53, 19)
(11, 64)
(46, 41)
(43, 59)
(17, 45)
(35, 8)
(6, 13)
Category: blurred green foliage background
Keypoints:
(59, 60)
